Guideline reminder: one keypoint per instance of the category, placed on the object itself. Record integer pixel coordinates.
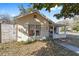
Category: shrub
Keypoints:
(62, 29)
(76, 28)
(27, 42)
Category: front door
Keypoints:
(51, 31)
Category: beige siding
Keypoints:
(21, 34)
(29, 19)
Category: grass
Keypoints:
(37, 48)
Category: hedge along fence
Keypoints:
(8, 33)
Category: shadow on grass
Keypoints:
(44, 51)
(52, 49)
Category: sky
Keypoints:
(50, 15)
(13, 10)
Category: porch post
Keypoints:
(27, 30)
(35, 32)
(53, 32)
(65, 30)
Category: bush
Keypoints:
(62, 29)
(76, 28)
(27, 42)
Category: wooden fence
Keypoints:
(8, 32)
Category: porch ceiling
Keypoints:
(60, 25)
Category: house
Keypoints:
(31, 26)
(35, 25)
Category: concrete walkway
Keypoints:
(70, 47)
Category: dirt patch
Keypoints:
(15, 48)
(38, 48)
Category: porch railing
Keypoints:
(59, 36)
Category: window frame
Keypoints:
(35, 28)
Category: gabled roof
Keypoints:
(36, 11)
(49, 20)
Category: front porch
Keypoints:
(55, 36)
(57, 31)
(30, 32)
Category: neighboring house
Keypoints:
(37, 26)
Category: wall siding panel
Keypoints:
(8, 33)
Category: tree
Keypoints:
(76, 27)
(68, 10)
(29, 9)
(24, 10)
(5, 18)
(76, 23)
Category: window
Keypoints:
(34, 30)
(37, 32)
(51, 32)
(31, 30)
(38, 29)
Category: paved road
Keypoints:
(70, 47)
(72, 33)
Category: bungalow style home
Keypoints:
(35, 25)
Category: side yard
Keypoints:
(37, 48)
